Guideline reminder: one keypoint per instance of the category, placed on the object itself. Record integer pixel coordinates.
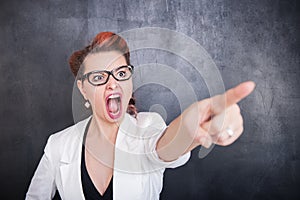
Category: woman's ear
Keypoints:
(81, 89)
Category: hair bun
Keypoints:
(76, 60)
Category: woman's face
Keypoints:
(109, 101)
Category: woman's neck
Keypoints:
(101, 139)
(102, 130)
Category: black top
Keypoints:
(89, 190)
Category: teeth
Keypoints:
(113, 96)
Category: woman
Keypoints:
(114, 155)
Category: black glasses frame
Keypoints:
(86, 76)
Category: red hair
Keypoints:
(104, 41)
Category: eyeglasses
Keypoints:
(97, 78)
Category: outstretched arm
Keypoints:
(205, 122)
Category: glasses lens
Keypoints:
(123, 73)
(98, 77)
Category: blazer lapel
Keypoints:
(71, 181)
(70, 169)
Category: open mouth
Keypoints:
(114, 105)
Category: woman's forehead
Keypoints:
(107, 60)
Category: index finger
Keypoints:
(236, 94)
(231, 96)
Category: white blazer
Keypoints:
(138, 171)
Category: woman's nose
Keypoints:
(112, 83)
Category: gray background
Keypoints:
(248, 40)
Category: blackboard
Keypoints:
(255, 40)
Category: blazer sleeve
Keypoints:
(42, 184)
(153, 156)
(152, 142)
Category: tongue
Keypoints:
(113, 105)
